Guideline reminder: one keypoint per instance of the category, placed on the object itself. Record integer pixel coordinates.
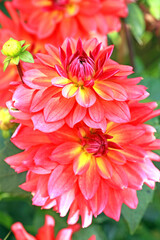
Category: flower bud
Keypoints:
(11, 48)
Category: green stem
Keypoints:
(20, 72)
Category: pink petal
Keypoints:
(41, 98)
(66, 152)
(117, 111)
(103, 91)
(113, 208)
(85, 97)
(90, 123)
(60, 81)
(58, 108)
(61, 180)
(32, 137)
(47, 231)
(99, 200)
(116, 157)
(40, 123)
(69, 90)
(104, 167)
(89, 181)
(20, 233)
(96, 112)
(22, 98)
(76, 115)
(81, 162)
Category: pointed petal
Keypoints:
(90, 123)
(85, 97)
(113, 208)
(76, 115)
(116, 157)
(69, 90)
(103, 91)
(20, 233)
(58, 108)
(40, 123)
(89, 181)
(47, 231)
(99, 200)
(81, 162)
(96, 112)
(61, 180)
(60, 81)
(66, 152)
(117, 111)
(104, 167)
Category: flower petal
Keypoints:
(89, 181)
(85, 97)
(81, 162)
(104, 167)
(60, 81)
(66, 152)
(69, 90)
(58, 108)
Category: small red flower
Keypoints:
(13, 27)
(86, 171)
(77, 82)
(46, 232)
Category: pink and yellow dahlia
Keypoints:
(88, 171)
(71, 18)
(46, 232)
(77, 82)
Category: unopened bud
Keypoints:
(11, 48)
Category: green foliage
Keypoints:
(136, 21)
(133, 217)
(9, 180)
(154, 7)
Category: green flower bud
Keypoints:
(11, 48)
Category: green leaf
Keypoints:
(9, 180)
(5, 220)
(154, 6)
(136, 21)
(93, 229)
(5, 65)
(15, 60)
(22, 42)
(7, 59)
(133, 216)
(25, 47)
(26, 57)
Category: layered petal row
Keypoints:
(77, 82)
(87, 171)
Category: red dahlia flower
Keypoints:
(46, 232)
(86, 170)
(77, 82)
(71, 18)
(13, 27)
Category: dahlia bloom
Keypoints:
(71, 18)
(46, 232)
(77, 82)
(13, 27)
(88, 171)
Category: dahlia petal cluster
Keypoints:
(13, 27)
(46, 232)
(71, 18)
(77, 82)
(87, 171)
